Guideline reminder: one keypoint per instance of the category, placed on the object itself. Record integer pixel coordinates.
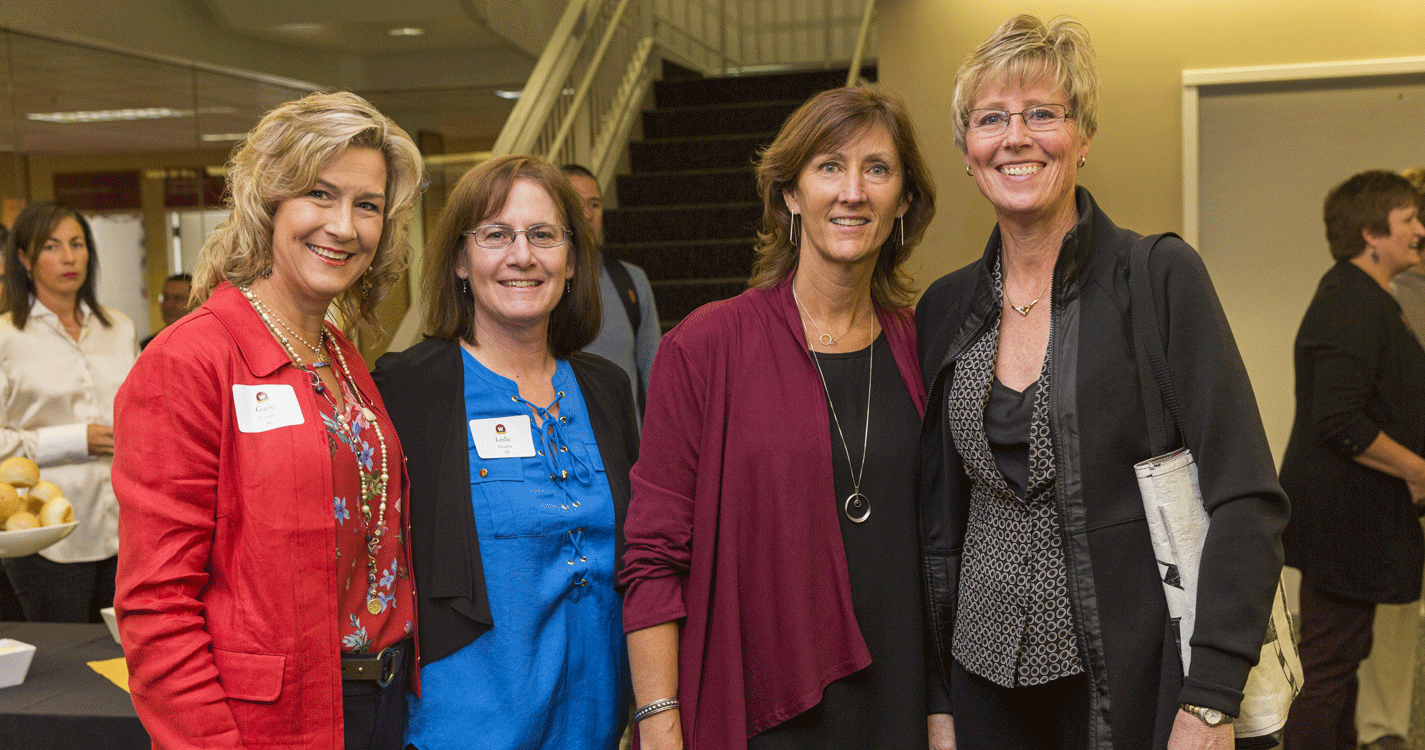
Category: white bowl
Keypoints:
(113, 622)
(15, 659)
(29, 541)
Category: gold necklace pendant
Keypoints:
(373, 606)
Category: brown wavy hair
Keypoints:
(824, 123)
(481, 194)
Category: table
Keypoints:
(62, 703)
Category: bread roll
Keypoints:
(56, 512)
(10, 502)
(19, 471)
(22, 520)
(44, 491)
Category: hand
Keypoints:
(1189, 733)
(661, 731)
(101, 440)
(942, 731)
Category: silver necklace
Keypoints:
(825, 339)
(857, 506)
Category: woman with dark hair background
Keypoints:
(62, 359)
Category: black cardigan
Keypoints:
(423, 388)
(1359, 372)
(1099, 432)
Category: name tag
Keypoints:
(503, 437)
(266, 407)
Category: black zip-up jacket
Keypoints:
(1099, 431)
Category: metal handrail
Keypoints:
(853, 76)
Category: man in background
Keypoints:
(173, 303)
(629, 336)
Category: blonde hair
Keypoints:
(1024, 50)
(825, 122)
(280, 159)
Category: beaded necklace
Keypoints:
(371, 483)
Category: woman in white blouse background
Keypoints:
(62, 358)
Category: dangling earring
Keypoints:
(794, 234)
(900, 225)
(1375, 256)
(568, 287)
(968, 172)
(465, 287)
(265, 273)
(1082, 159)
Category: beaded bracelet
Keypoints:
(656, 707)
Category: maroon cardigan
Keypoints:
(732, 526)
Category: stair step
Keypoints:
(719, 119)
(692, 222)
(676, 299)
(696, 259)
(710, 152)
(796, 85)
(687, 186)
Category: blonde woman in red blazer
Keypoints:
(264, 594)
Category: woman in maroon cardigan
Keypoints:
(772, 557)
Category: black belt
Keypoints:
(380, 667)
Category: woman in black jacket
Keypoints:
(1051, 626)
(1353, 467)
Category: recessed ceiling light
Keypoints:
(223, 137)
(508, 94)
(406, 31)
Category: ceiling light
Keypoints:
(406, 31)
(223, 137)
(508, 94)
(111, 115)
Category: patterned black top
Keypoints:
(1014, 622)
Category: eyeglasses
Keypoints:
(499, 236)
(994, 121)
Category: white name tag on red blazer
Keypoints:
(265, 407)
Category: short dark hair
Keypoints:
(32, 228)
(571, 169)
(826, 121)
(480, 194)
(1363, 204)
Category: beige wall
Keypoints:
(1135, 165)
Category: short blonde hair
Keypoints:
(280, 159)
(1024, 50)
(825, 122)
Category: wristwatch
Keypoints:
(1210, 716)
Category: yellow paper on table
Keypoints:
(115, 670)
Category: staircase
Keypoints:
(688, 213)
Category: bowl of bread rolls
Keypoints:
(33, 512)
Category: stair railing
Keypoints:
(853, 74)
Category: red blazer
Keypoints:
(227, 583)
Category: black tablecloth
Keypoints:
(62, 703)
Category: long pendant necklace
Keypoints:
(857, 506)
(372, 484)
(1023, 310)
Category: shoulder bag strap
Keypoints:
(1154, 379)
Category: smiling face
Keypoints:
(849, 199)
(516, 288)
(1400, 249)
(1027, 175)
(324, 239)
(61, 265)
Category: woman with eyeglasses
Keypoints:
(519, 448)
(1053, 630)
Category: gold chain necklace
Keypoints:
(372, 484)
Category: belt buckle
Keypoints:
(387, 657)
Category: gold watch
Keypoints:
(1210, 716)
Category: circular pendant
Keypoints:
(858, 508)
(373, 606)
